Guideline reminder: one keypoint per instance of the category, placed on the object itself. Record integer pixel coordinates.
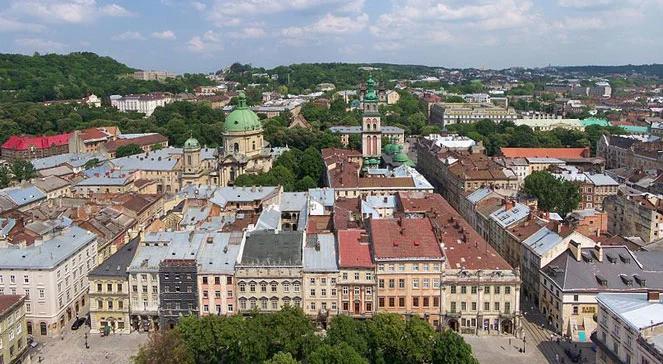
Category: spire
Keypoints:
(241, 100)
(371, 95)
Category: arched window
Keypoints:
(42, 329)
(236, 147)
(252, 286)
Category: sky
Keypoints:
(204, 36)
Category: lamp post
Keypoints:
(524, 341)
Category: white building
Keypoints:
(143, 103)
(630, 328)
(52, 274)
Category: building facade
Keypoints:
(13, 335)
(178, 290)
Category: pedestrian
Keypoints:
(556, 358)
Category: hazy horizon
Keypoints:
(203, 36)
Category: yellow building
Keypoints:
(12, 328)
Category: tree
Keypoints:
(94, 162)
(454, 98)
(164, 347)
(553, 194)
(5, 176)
(127, 150)
(450, 348)
(156, 146)
(22, 170)
(281, 358)
(341, 353)
(345, 329)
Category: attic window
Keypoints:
(626, 279)
(611, 258)
(587, 257)
(625, 258)
(641, 280)
(602, 281)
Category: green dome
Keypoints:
(401, 157)
(371, 95)
(242, 118)
(191, 143)
(390, 149)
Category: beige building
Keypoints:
(13, 335)
(630, 328)
(268, 272)
(638, 215)
(570, 283)
(320, 276)
(629, 151)
(109, 292)
(356, 280)
(447, 113)
(52, 274)
(216, 273)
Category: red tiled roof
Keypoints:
(8, 301)
(93, 134)
(319, 224)
(561, 153)
(352, 251)
(140, 141)
(463, 246)
(25, 142)
(404, 238)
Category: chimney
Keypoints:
(599, 252)
(653, 296)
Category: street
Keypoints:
(539, 348)
(71, 349)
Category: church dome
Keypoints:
(242, 118)
(191, 143)
(401, 157)
(371, 94)
(391, 149)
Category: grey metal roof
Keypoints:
(320, 253)
(23, 195)
(217, 255)
(542, 241)
(74, 160)
(116, 178)
(386, 129)
(269, 219)
(193, 215)
(116, 265)
(224, 195)
(571, 274)
(268, 248)
(50, 183)
(506, 217)
(633, 308)
(46, 254)
(479, 195)
(197, 191)
(293, 201)
(324, 196)
(159, 160)
(157, 246)
(601, 179)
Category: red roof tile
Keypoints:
(353, 251)
(140, 141)
(8, 301)
(463, 246)
(404, 238)
(560, 153)
(25, 142)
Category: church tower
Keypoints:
(371, 133)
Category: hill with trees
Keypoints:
(288, 336)
(75, 75)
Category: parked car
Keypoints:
(78, 323)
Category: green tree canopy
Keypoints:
(129, 149)
(553, 194)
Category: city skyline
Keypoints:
(199, 36)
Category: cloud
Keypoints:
(223, 12)
(165, 35)
(250, 32)
(129, 35)
(328, 25)
(11, 25)
(210, 41)
(39, 45)
(70, 11)
(197, 5)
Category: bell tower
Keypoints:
(371, 133)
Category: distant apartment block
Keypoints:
(143, 103)
(153, 75)
(447, 113)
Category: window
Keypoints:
(312, 292)
(473, 289)
(263, 286)
(380, 303)
(381, 283)
(356, 276)
(436, 283)
(415, 301)
(463, 306)
(452, 289)
(507, 290)
(119, 287)
(436, 301)
(575, 310)
(286, 286)
(391, 283)
(323, 281)
(474, 306)
(426, 283)
(42, 293)
(229, 280)
(120, 304)
(205, 294)
(497, 289)
(486, 289)
(345, 276)
(426, 301)
(12, 279)
(486, 306)
(109, 287)
(205, 282)
(217, 294)
(453, 307)
(26, 279)
(401, 283)
(496, 306)
(369, 276)
(356, 291)
(296, 286)
(345, 290)
(575, 297)
(401, 301)
(507, 307)
(242, 287)
(110, 305)
(252, 287)
(415, 283)
(463, 289)
(392, 302)
(99, 287)
(323, 292)
(313, 281)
